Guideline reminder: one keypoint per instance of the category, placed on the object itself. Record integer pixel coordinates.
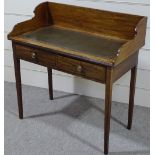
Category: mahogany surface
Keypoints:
(93, 44)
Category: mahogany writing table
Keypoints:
(93, 44)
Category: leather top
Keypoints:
(76, 41)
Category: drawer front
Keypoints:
(35, 55)
(83, 69)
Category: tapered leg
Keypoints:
(132, 94)
(108, 100)
(50, 85)
(18, 86)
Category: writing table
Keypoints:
(97, 45)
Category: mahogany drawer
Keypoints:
(35, 55)
(80, 68)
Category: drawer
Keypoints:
(35, 55)
(80, 68)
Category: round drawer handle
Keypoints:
(33, 55)
(79, 68)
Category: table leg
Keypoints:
(50, 85)
(108, 100)
(18, 86)
(131, 98)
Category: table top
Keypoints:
(79, 42)
(99, 36)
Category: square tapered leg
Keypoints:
(108, 100)
(50, 83)
(131, 97)
(18, 86)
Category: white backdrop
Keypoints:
(17, 11)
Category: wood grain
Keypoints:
(41, 19)
(87, 70)
(110, 25)
(108, 101)
(134, 44)
(18, 83)
(101, 32)
(125, 66)
(93, 20)
(41, 57)
(131, 97)
(50, 82)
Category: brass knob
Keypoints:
(33, 55)
(79, 68)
